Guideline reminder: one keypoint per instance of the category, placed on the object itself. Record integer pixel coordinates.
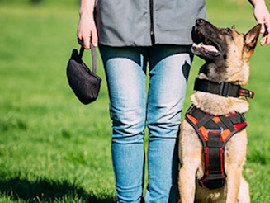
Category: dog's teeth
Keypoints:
(213, 49)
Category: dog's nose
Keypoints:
(200, 21)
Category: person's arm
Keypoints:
(87, 28)
(262, 15)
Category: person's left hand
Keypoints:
(262, 15)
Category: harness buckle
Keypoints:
(224, 89)
(215, 131)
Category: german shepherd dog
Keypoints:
(227, 55)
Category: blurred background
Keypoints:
(52, 148)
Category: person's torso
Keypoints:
(147, 22)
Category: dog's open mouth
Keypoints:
(207, 48)
(204, 46)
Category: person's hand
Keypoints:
(262, 15)
(87, 31)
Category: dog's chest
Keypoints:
(214, 131)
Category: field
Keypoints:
(52, 148)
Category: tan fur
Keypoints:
(218, 105)
(190, 146)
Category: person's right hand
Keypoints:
(87, 31)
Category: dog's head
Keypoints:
(226, 51)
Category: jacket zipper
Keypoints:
(152, 21)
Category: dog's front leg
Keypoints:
(190, 149)
(243, 196)
(187, 181)
(233, 183)
(235, 158)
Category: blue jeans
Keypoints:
(131, 109)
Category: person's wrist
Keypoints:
(86, 13)
(258, 3)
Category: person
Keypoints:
(129, 35)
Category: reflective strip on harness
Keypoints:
(214, 131)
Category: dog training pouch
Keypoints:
(84, 82)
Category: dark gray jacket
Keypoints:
(147, 22)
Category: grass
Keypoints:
(52, 148)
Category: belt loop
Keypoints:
(221, 88)
(224, 89)
(228, 89)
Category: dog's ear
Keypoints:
(251, 38)
(233, 27)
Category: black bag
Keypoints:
(84, 83)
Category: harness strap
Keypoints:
(227, 123)
(214, 131)
(223, 89)
(202, 121)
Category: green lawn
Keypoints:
(52, 148)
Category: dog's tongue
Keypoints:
(209, 47)
(206, 46)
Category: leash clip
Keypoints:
(246, 93)
(251, 94)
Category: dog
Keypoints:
(217, 103)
